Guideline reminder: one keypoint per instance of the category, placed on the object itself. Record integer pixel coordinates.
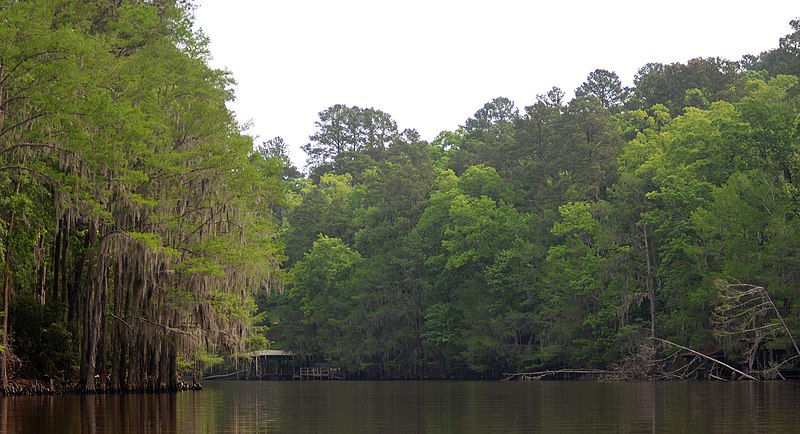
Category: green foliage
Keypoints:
(347, 133)
(657, 83)
(557, 238)
(605, 86)
(123, 176)
(199, 363)
(132, 205)
(42, 339)
(319, 290)
(325, 208)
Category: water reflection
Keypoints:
(463, 407)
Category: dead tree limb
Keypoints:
(743, 374)
(745, 315)
(532, 376)
(223, 375)
(780, 317)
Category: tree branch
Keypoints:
(24, 121)
(164, 326)
(38, 145)
(121, 320)
(748, 376)
(780, 318)
(26, 169)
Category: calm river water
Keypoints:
(420, 407)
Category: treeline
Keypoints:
(135, 218)
(561, 235)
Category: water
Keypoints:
(420, 407)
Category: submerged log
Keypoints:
(213, 377)
(534, 376)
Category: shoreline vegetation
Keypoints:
(38, 388)
(623, 373)
(632, 233)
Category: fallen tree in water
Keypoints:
(644, 366)
(561, 374)
(220, 376)
(746, 320)
(698, 354)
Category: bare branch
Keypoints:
(164, 326)
(121, 320)
(533, 376)
(745, 375)
(780, 318)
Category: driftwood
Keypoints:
(223, 375)
(533, 376)
(743, 374)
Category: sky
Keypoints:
(431, 64)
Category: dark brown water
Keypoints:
(420, 407)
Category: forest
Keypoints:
(145, 236)
(588, 233)
(135, 217)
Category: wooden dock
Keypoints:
(318, 373)
(281, 365)
(268, 365)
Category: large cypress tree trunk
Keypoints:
(6, 256)
(173, 370)
(94, 308)
(134, 365)
(6, 296)
(163, 365)
(7, 292)
(117, 331)
(101, 343)
(153, 365)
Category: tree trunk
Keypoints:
(101, 343)
(7, 295)
(153, 365)
(93, 308)
(137, 350)
(651, 290)
(64, 261)
(172, 379)
(135, 355)
(117, 331)
(57, 261)
(163, 365)
(41, 292)
(73, 290)
(6, 292)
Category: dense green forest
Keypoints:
(565, 234)
(143, 235)
(135, 218)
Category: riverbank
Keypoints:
(28, 387)
(35, 387)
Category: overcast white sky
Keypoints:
(431, 64)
